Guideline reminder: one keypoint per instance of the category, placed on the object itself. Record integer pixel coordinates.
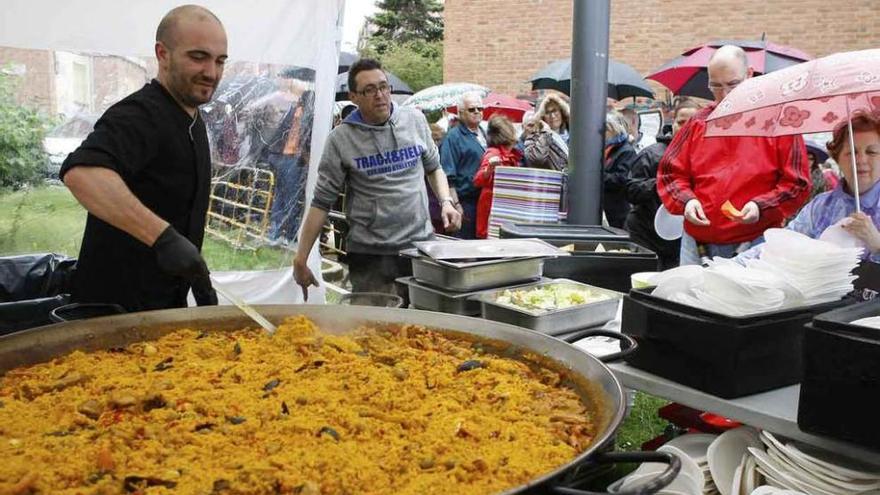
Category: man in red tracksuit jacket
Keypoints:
(766, 179)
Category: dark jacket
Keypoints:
(162, 155)
(460, 156)
(540, 150)
(641, 192)
(617, 166)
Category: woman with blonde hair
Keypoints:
(501, 152)
(546, 141)
(619, 157)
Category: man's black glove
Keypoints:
(179, 257)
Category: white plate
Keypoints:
(725, 454)
(799, 459)
(751, 477)
(843, 466)
(835, 234)
(668, 226)
(736, 484)
(870, 322)
(688, 466)
(786, 478)
(771, 490)
(681, 483)
(811, 479)
(695, 445)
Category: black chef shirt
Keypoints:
(162, 155)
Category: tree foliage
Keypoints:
(404, 21)
(418, 63)
(408, 39)
(22, 128)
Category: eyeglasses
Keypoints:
(474, 109)
(714, 86)
(551, 113)
(372, 91)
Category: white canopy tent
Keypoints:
(303, 33)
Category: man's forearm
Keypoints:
(315, 220)
(440, 185)
(104, 194)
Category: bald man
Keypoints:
(766, 180)
(144, 174)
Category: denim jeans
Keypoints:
(690, 254)
(287, 206)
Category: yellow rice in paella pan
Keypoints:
(396, 410)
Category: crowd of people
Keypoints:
(143, 174)
(764, 182)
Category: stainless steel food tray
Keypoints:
(555, 321)
(488, 248)
(468, 277)
(429, 298)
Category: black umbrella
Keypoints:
(399, 87)
(623, 80)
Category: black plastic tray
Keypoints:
(606, 270)
(842, 376)
(718, 354)
(562, 232)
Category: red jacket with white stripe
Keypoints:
(772, 172)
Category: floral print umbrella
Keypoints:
(442, 96)
(814, 96)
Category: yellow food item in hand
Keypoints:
(730, 211)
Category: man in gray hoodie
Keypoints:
(382, 153)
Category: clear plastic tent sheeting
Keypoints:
(271, 110)
(260, 127)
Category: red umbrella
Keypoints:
(496, 103)
(687, 75)
(814, 96)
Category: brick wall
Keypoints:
(500, 43)
(115, 78)
(36, 82)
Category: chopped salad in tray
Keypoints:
(550, 297)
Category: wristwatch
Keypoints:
(449, 200)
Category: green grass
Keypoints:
(42, 219)
(221, 256)
(49, 219)
(642, 424)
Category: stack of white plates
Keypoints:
(820, 270)
(793, 270)
(694, 477)
(797, 467)
(726, 287)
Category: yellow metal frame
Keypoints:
(242, 198)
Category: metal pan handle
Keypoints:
(78, 311)
(653, 486)
(628, 345)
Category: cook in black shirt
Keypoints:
(144, 176)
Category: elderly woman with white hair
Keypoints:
(619, 158)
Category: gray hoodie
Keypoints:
(384, 167)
